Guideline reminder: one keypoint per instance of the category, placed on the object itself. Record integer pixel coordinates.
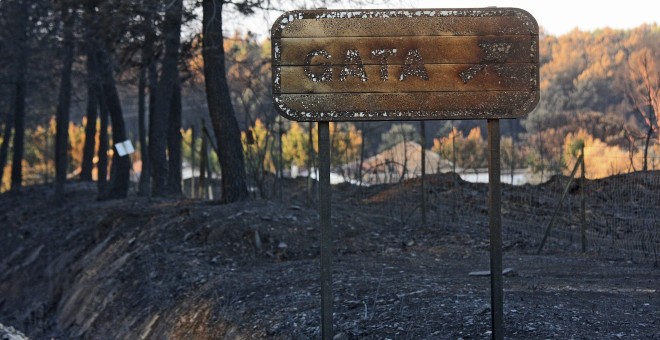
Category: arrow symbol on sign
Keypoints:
(496, 53)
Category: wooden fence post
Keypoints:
(561, 201)
(583, 213)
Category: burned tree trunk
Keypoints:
(142, 130)
(148, 79)
(19, 96)
(64, 103)
(174, 143)
(120, 168)
(102, 166)
(92, 99)
(225, 126)
(6, 136)
(158, 124)
(647, 141)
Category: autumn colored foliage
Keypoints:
(599, 90)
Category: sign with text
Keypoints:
(405, 64)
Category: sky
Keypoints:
(562, 16)
(555, 16)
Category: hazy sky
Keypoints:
(556, 16)
(561, 16)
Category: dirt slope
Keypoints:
(187, 269)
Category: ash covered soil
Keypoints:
(191, 269)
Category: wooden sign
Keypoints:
(405, 64)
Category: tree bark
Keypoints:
(96, 77)
(651, 117)
(19, 99)
(203, 165)
(649, 133)
(362, 146)
(121, 166)
(64, 103)
(541, 148)
(4, 148)
(174, 143)
(92, 98)
(149, 63)
(405, 154)
(225, 126)
(19, 132)
(158, 124)
(102, 166)
(192, 161)
(142, 130)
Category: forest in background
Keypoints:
(599, 90)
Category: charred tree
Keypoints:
(174, 143)
(147, 61)
(120, 168)
(6, 136)
(143, 186)
(91, 110)
(158, 123)
(22, 17)
(104, 140)
(148, 81)
(221, 110)
(647, 142)
(203, 165)
(64, 103)
(643, 90)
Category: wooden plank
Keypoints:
(405, 64)
(406, 106)
(441, 77)
(433, 49)
(414, 22)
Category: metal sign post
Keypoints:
(406, 64)
(326, 230)
(495, 223)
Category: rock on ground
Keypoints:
(9, 333)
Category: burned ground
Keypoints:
(180, 268)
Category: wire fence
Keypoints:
(620, 218)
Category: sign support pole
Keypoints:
(495, 222)
(326, 237)
(499, 79)
(422, 132)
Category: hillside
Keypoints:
(188, 269)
